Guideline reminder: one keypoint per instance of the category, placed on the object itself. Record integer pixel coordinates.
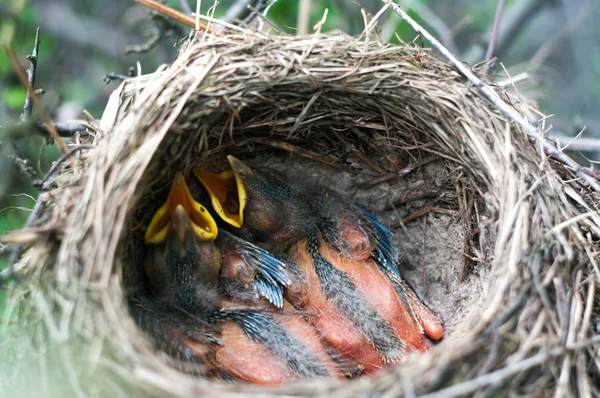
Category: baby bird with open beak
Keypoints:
(341, 264)
(217, 286)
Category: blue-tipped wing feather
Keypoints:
(255, 324)
(270, 272)
(270, 290)
(385, 253)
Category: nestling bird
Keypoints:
(344, 257)
(230, 288)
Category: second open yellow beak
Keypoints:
(180, 203)
(227, 192)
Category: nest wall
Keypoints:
(341, 103)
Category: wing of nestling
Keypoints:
(253, 267)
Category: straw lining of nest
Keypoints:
(355, 104)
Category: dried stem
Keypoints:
(491, 44)
(304, 16)
(493, 97)
(397, 174)
(31, 77)
(171, 13)
(36, 100)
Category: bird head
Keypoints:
(247, 198)
(182, 261)
(180, 216)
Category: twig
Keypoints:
(421, 213)
(466, 209)
(31, 77)
(299, 151)
(397, 174)
(65, 129)
(258, 12)
(372, 140)
(36, 100)
(578, 144)
(493, 329)
(304, 7)
(491, 44)
(358, 153)
(23, 165)
(493, 97)
(171, 13)
(44, 184)
(537, 282)
(162, 27)
(157, 35)
(15, 251)
(470, 386)
(114, 76)
(417, 195)
(432, 20)
(238, 11)
(514, 21)
(259, 7)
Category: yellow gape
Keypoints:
(227, 194)
(180, 201)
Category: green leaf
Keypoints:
(14, 97)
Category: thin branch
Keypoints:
(470, 386)
(417, 195)
(157, 35)
(239, 10)
(493, 97)
(31, 77)
(421, 213)
(303, 16)
(33, 220)
(171, 13)
(515, 20)
(578, 143)
(299, 151)
(16, 251)
(397, 174)
(44, 184)
(432, 20)
(115, 76)
(162, 27)
(258, 12)
(258, 8)
(65, 129)
(36, 100)
(492, 43)
(23, 165)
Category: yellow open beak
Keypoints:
(202, 223)
(227, 194)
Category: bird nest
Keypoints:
(498, 238)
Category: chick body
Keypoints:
(360, 309)
(226, 328)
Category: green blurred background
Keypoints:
(557, 43)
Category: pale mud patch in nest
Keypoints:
(507, 254)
